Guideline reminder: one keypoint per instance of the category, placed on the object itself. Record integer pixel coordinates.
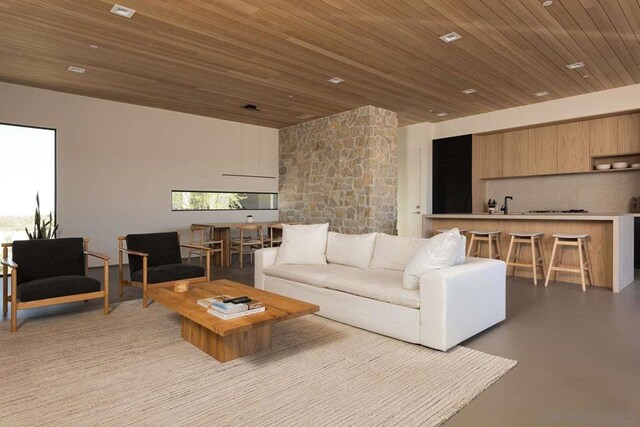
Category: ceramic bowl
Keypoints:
(620, 165)
(603, 166)
(635, 165)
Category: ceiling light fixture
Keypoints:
(75, 69)
(451, 37)
(543, 93)
(547, 3)
(123, 11)
(441, 114)
(335, 80)
(94, 46)
(586, 76)
(469, 91)
(575, 65)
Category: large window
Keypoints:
(27, 168)
(222, 201)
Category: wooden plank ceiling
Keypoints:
(209, 57)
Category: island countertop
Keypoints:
(611, 237)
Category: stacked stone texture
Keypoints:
(341, 169)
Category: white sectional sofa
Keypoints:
(451, 304)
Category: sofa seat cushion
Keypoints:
(58, 286)
(313, 275)
(381, 285)
(168, 273)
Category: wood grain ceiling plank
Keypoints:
(533, 32)
(617, 23)
(579, 23)
(598, 66)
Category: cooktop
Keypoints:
(559, 211)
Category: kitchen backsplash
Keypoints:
(595, 192)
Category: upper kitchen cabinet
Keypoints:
(489, 151)
(515, 153)
(573, 147)
(603, 136)
(629, 133)
(543, 150)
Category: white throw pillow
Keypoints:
(303, 244)
(351, 249)
(394, 252)
(438, 252)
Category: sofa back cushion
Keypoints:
(441, 251)
(355, 250)
(303, 244)
(39, 259)
(394, 252)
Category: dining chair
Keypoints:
(247, 239)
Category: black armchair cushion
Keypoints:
(40, 259)
(169, 273)
(59, 286)
(163, 248)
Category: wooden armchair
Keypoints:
(154, 258)
(49, 272)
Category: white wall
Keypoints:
(117, 163)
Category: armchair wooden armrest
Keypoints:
(198, 247)
(97, 255)
(9, 263)
(130, 252)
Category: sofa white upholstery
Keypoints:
(451, 305)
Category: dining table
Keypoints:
(221, 231)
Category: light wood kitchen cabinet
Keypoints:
(573, 147)
(515, 153)
(603, 136)
(543, 150)
(490, 155)
(629, 133)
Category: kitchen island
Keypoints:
(611, 243)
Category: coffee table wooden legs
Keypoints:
(229, 347)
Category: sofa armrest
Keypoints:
(264, 258)
(458, 302)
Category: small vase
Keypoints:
(249, 219)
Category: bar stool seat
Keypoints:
(578, 241)
(444, 230)
(534, 241)
(492, 238)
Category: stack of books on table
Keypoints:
(226, 307)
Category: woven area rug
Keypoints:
(132, 367)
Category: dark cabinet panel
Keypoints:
(452, 175)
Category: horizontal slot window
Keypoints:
(222, 201)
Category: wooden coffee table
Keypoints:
(227, 340)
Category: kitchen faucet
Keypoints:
(505, 207)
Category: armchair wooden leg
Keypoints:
(106, 287)
(120, 272)
(14, 300)
(144, 282)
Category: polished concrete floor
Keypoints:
(578, 354)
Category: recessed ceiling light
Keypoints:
(469, 91)
(290, 96)
(547, 3)
(335, 80)
(78, 70)
(586, 76)
(543, 93)
(123, 11)
(441, 114)
(575, 65)
(451, 37)
(94, 46)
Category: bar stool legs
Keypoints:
(578, 241)
(534, 240)
(492, 238)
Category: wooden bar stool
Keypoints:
(584, 259)
(534, 240)
(490, 237)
